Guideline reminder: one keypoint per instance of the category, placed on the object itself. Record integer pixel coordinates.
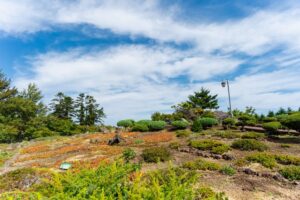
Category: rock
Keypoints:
(250, 172)
(184, 149)
(278, 177)
(228, 157)
(217, 156)
(296, 182)
(267, 175)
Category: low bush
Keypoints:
(291, 172)
(180, 124)
(228, 122)
(201, 164)
(140, 127)
(292, 121)
(249, 145)
(227, 134)
(208, 122)
(211, 145)
(285, 146)
(183, 133)
(228, 170)
(253, 135)
(287, 160)
(128, 154)
(126, 123)
(267, 160)
(197, 126)
(156, 154)
(272, 127)
(269, 119)
(174, 145)
(156, 125)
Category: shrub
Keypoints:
(267, 160)
(228, 170)
(174, 145)
(249, 145)
(201, 164)
(126, 123)
(145, 122)
(269, 119)
(292, 121)
(285, 146)
(197, 126)
(183, 133)
(291, 172)
(208, 114)
(138, 141)
(229, 121)
(272, 127)
(253, 135)
(211, 145)
(180, 124)
(140, 127)
(227, 134)
(156, 154)
(208, 122)
(287, 160)
(8, 134)
(128, 154)
(157, 125)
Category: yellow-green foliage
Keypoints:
(291, 172)
(227, 134)
(119, 180)
(4, 155)
(249, 145)
(228, 170)
(253, 135)
(183, 133)
(156, 154)
(211, 145)
(201, 164)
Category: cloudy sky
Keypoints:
(137, 57)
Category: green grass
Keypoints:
(201, 164)
(249, 145)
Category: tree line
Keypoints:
(24, 116)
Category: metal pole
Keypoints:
(229, 98)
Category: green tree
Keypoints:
(6, 91)
(62, 106)
(94, 113)
(80, 109)
(203, 99)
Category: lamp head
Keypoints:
(223, 83)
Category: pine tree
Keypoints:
(203, 100)
(62, 106)
(94, 113)
(80, 109)
(6, 91)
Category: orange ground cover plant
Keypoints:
(35, 149)
(157, 137)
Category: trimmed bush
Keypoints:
(249, 145)
(228, 170)
(265, 159)
(253, 135)
(272, 127)
(183, 133)
(180, 124)
(140, 127)
(292, 121)
(208, 122)
(228, 122)
(270, 119)
(126, 123)
(156, 154)
(201, 164)
(227, 134)
(287, 160)
(157, 125)
(144, 121)
(291, 172)
(211, 145)
(197, 126)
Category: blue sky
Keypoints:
(138, 57)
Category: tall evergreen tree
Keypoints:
(80, 108)
(63, 106)
(94, 113)
(6, 91)
(204, 100)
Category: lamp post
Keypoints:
(224, 84)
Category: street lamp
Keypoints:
(224, 83)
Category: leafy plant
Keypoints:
(208, 122)
(180, 124)
(253, 135)
(228, 170)
(228, 122)
(249, 145)
(272, 127)
(197, 126)
(156, 154)
(211, 145)
(291, 172)
(267, 160)
(227, 134)
(126, 123)
(157, 125)
(201, 164)
(220, 149)
(128, 154)
(292, 121)
(140, 127)
(183, 133)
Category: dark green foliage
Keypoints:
(8, 133)
(201, 164)
(126, 123)
(246, 119)
(249, 145)
(265, 159)
(253, 135)
(272, 127)
(197, 126)
(142, 127)
(228, 170)
(287, 160)
(292, 121)
(61, 126)
(204, 100)
(229, 121)
(128, 154)
(291, 172)
(208, 122)
(269, 119)
(144, 121)
(62, 106)
(157, 125)
(156, 154)
(180, 124)
(157, 116)
(211, 145)
(183, 133)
